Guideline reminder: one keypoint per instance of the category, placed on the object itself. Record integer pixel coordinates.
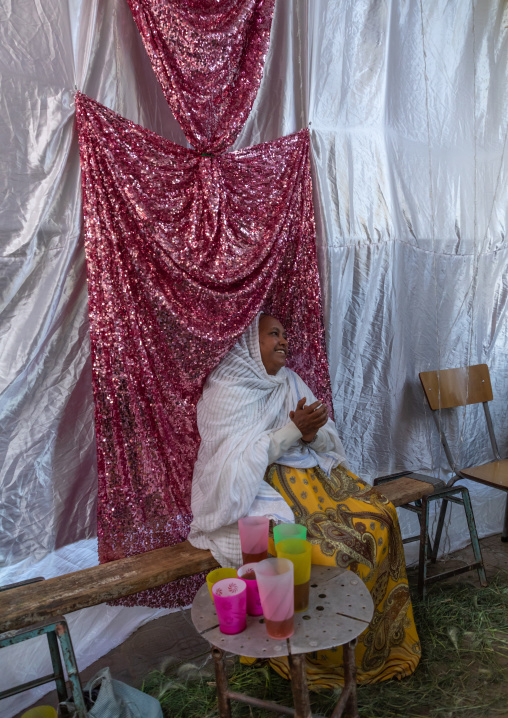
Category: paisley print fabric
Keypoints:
(352, 526)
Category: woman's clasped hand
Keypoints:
(309, 419)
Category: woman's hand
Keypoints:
(309, 419)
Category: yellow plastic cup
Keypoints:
(298, 552)
(40, 712)
(217, 575)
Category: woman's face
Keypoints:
(273, 344)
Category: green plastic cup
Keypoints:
(289, 531)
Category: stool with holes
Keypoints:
(340, 608)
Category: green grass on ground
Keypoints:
(463, 672)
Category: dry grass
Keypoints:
(463, 671)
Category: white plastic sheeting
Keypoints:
(408, 106)
(47, 443)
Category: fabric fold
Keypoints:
(208, 58)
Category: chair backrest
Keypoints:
(447, 388)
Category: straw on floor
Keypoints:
(463, 671)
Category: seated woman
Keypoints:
(268, 448)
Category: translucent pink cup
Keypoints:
(248, 574)
(275, 583)
(230, 599)
(253, 538)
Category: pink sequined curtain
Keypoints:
(182, 251)
(208, 57)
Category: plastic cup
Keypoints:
(253, 538)
(299, 553)
(248, 574)
(285, 531)
(275, 583)
(217, 575)
(230, 599)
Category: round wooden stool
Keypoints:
(340, 608)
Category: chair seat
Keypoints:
(404, 490)
(494, 474)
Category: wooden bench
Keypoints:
(27, 605)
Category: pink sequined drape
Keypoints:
(182, 251)
(208, 57)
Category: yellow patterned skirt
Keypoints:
(350, 525)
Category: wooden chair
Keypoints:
(448, 389)
(444, 390)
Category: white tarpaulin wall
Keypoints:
(408, 106)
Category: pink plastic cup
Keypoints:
(248, 574)
(253, 538)
(275, 583)
(230, 599)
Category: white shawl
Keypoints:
(240, 407)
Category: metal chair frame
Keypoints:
(458, 473)
(447, 389)
(55, 631)
(429, 550)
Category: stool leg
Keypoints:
(221, 679)
(350, 679)
(62, 631)
(299, 685)
(424, 544)
(347, 705)
(475, 543)
(57, 666)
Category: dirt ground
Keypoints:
(172, 638)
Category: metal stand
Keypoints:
(55, 631)
(504, 535)
(428, 551)
(446, 495)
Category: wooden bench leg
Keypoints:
(221, 679)
(299, 685)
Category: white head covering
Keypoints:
(240, 407)
(240, 394)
